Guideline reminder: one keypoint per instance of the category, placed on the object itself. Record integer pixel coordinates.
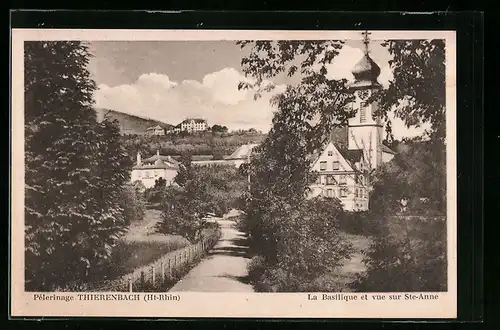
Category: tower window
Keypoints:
(362, 115)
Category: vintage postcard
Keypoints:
(262, 174)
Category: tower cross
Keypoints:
(366, 40)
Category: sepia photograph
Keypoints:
(315, 164)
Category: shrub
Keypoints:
(132, 203)
(307, 244)
(360, 223)
(409, 256)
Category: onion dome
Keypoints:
(365, 73)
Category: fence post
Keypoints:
(162, 272)
(130, 285)
(153, 273)
(169, 269)
(175, 259)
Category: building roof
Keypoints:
(154, 127)
(387, 150)
(197, 120)
(354, 156)
(339, 138)
(159, 164)
(365, 73)
(242, 152)
(166, 159)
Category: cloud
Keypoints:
(348, 57)
(216, 98)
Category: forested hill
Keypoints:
(129, 124)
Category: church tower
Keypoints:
(366, 130)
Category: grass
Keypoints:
(339, 281)
(142, 245)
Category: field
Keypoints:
(202, 144)
(141, 246)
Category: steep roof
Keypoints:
(387, 150)
(339, 138)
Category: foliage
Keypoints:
(409, 256)
(409, 206)
(418, 88)
(204, 143)
(413, 181)
(75, 168)
(200, 191)
(155, 194)
(219, 129)
(132, 203)
(308, 245)
(289, 232)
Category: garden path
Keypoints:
(225, 268)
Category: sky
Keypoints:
(173, 80)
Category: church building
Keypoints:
(343, 165)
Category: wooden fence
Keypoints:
(157, 273)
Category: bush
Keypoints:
(302, 243)
(360, 223)
(409, 256)
(133, 204)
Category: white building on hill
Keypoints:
(155, 130)
(194, 125)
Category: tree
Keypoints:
(219, 129)
(415, 176)
(282, 223)
(205, 190)
(409, 202)
(417, 91)
(132, 203)
(73, 168)
(408, 256)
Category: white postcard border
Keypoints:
(192, 304)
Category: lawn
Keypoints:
(339, 281)
(141, 246)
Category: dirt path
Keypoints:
(224, 270)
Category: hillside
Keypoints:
(129, 124)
